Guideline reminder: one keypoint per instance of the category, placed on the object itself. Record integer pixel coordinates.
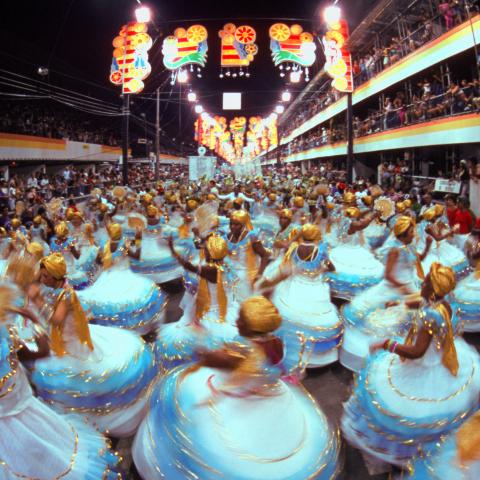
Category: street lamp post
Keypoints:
(125, 140)
(157, 136)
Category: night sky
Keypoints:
(73, 38)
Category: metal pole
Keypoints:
(157, 137)
(350, 157)
(125, 120)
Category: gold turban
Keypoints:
(114, 231)
(172, 198)
(192, 204)
(260, 315)
(37, 220)
(408, 203)
(352, 212)
(55, 265)
(430, 214)
(217, 247)
(438, 210)
(152, 211)
(400, 207)
(286, 213)
(311, 232)
(402, 224)
(3, 232)
(330, 206)
(61, 230)
(367, 200)
(299, 202)
(36, 250)
(243, 217)
(272, 197)
(16, 223)
(77, 215)
(69, 213)
(211, 196)
(442, 278)
(349, 197)
(238, 201)
(147, 198)
(103, 207)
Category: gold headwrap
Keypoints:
(192, 204)
(349, 197)
(61, 230)
(103, 207)
(152, 211)
(3, 232)
(299, 202)
(217, 247)
(77, 215)
(272, 197)
(408, 203)
(402, 224)
(311, 232)
(37, 220)
(147, 198)
(400, 207)
(367, 200)
(114, 231)
(69, 213)
(15, 223)
(286, 213)
(352, 212)
(468, 440)
(243, 217)
(430, 214)
(442, 279)
(260, 315)
(36, 250)
(211, 196)
(438, 210)
(55, 265)
(238, 201)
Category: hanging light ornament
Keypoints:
(293, 47)
(186, 47)
(130, 57)
(238, 49)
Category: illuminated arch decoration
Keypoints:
(186, 47)
(293, 47)
(238, 49)
(338, 59)
(130, 57)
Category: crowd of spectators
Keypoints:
(47, 119)
(424, 26)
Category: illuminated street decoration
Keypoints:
(232, 141)
(293, 47)
(238, 49)
(130, 57)
(338, 59)
(186, 47)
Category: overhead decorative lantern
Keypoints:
(130, 57)
(186, 47)
(238, 49)
(338, 62)
(292, 49)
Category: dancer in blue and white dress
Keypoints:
(366, 319)
(209, 318)
(442, 250)
(457, 456)
(120, 297)
(467, 293)
(245, 249)
(405, 403)
(102, 372)
(356, 268)
(194, 429)
(303, 298)
(37, 442)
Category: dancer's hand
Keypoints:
(375, 347)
